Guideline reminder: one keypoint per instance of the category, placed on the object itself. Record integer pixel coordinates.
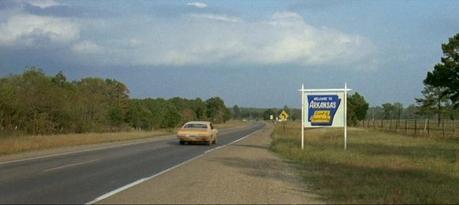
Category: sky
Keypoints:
(250, 53)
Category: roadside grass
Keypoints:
(18, 144)
(378, 167)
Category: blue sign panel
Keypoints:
(322, 109)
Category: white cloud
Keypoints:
(192, 39)
(216, 17)
(42, 3)
(284, 39)
(197, 4)
(287, 15)
(31, 29)
(86, 48)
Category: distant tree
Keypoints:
(445, 74)
(59, 79)
(295, 114)
(376, 112)
(116, 116)
(357, 108)
(410, 112)
(236, 112)
(187, 115)
(34, 103)
(171, 118)
(398, 108)
(226, 115)
(216, 110)
(138, 115)
(388, 109)
(433, 102)
(200, 108)
(267, 114)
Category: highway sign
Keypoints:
(283, 116)
(324, 108)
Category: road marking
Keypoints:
(140, 181)
(244, 137)
(222, 146)
(101, 148)
(111, 193)
(210, 150)
(90, 149)
(70, 165)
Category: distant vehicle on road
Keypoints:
(197, 131)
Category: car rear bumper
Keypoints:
(194, 138)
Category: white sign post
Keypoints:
(324, 108)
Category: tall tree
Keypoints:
(445, 75)
(433, 102)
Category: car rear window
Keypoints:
(196, 125)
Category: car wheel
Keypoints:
(182, 142)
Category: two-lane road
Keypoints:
(84, 176)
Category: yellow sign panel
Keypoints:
(283, 116)
(321, 116)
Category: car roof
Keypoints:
(198, 122)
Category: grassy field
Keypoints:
(17, 144)
(378, 167)
(416, 127)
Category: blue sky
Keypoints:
(251, 53)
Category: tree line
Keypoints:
(34, 103)
(440, 96)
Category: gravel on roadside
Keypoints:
(245, 172)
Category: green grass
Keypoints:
(378, 167)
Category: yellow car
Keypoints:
(197, 131)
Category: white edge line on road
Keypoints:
(111, 193)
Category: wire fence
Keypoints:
(415, 127)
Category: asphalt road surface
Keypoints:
(85, 176)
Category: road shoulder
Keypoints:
(244, 172)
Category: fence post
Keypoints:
(415, 127)
(428, 127)
(454, 128)
(406, 128)
(443, 127)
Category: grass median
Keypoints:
(378, 167)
